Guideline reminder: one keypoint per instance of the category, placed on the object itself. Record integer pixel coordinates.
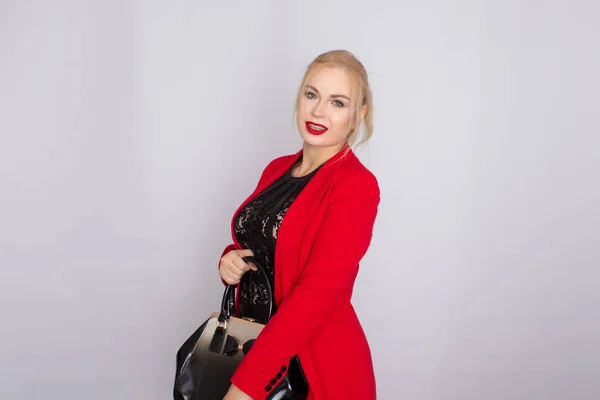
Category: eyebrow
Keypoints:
(335, 96)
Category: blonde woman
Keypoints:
(310, 222)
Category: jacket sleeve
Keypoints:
(326, 280)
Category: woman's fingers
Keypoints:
(233, 267)
(252, 266)
(237, 267)
(247, 253)
(229, 277)
(238, 260)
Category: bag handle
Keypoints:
(229, 295)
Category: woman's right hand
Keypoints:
(232, 266)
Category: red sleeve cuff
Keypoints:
(258, 382)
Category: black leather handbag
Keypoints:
(209, 357)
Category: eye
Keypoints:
(310, 95)
(338, 103)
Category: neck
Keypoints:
(313, 157)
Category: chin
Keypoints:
(312, 140)
(320, 141)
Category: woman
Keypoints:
(317, 207)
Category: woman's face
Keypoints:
(324, 115)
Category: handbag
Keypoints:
(208, 359)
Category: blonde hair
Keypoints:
(361, 91)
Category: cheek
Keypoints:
(300, 112)
(302, 108)
(301, 117)
(342, 122)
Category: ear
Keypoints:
(363, 112)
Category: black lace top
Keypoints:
(255, 228)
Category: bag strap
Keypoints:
(229, 294)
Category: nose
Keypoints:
(318, 109)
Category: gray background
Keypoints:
(132, 130)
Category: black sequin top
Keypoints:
(255, 228)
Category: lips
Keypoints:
(315, 129)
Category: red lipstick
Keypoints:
(315, 129)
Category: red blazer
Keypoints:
(320, 242)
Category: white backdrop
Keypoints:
(132, 130)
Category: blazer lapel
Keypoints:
(293, 225)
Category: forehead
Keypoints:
(331, 80)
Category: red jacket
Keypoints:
(322, 238)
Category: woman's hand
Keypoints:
(232, 266)
(235, 393)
